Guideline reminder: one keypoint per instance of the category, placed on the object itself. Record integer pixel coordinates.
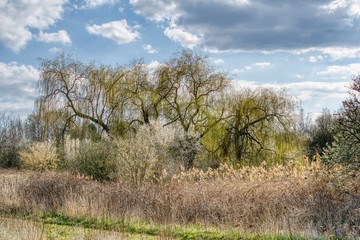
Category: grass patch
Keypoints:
(62, 226)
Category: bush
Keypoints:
(147, 155)
(93, 159)
(9, 157)
(40, 156)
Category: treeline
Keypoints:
(140, 121)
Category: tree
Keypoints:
(77, 91)
(189, 88)
(143, 93)
(11, 139)
(346, 145)
(259, 122)
(322, 133)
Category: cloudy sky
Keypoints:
(309, 47)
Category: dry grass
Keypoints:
(298, 199)
(18, 230)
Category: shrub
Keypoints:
(40, 156)
(93, 159)
(145, 156)
(9, 157)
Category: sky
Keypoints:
(310, 48)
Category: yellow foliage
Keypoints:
(40, 156)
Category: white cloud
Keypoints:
(17, 17)
(118, 31)
(17, 86)
(345, 71)
(97, 3)
(337, 53)
(303, 90)
(148, 48)
(352, 7)
(179, 35)
(314, 95)
(262, 64)
(57, 37)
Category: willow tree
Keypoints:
(259, 125)
(190, 88)
(80, 92)
(142, 91)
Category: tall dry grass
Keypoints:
(297, 199)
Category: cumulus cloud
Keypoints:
(148, 48)
(17, 17)
(257, 25)
(17, 87)
(118, 31)
(57, 37)
(183, 37)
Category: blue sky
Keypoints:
(310, 47)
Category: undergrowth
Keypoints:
(299, 199)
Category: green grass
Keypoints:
(58, 225)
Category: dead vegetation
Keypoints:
(297, 199)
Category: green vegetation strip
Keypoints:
(142, 228)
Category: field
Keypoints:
(302, 200)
